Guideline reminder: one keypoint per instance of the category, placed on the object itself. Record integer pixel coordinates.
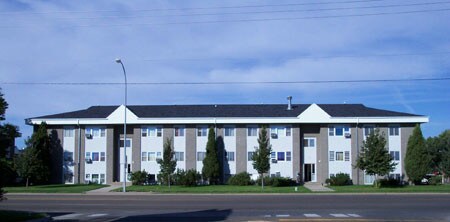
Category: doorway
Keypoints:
(310, 172)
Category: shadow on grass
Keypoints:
(204, 215)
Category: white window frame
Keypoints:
(202, 131)
(179, 156)
(229, 156)
(340, 159)
(288, 131)
(347, 156)
(308, 144)
(331, 156)
(396, 129)
(393, 155)
(252, 131)
(288, 157)
(229, 131)
(250, 155)
(201, 156)
(144, 156)
(369, 129)
(180, 130)
(69, 132)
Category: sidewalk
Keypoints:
(317, 187)
(105, 189)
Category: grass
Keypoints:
(11, 216)
(404, 189)
(215, 189)
(55, 188)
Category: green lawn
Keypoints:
(11, 216)
(215, 189)
(56, 188)
(405, 189)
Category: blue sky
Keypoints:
(207, 41)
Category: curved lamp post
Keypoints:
(124, 130)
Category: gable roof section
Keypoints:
(236, 111)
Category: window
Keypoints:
(201, 156)
(339, 131)
(69, 132)
(128, 143)
(252, 131)
(288, 156)
(330, 131)
(95, 156)
(395, 176)
(87, 155)
(368, 130)
(95, 133)
(158, 132)
(179, 156)
(102, 156)
(309, 142)
(280, 156)
(339, 156)
(229, 131)
(347, 155)
(250, 156)
(88, 176)
(229, 156)
(151, 156)
(331, 156)
(144, 132)
(102, 132)
(144, 156)
(202, 131)
(152, 132)
(95, 178)
(273, 155)
(102, 178)
(394, 130)
(395, 155)
(288, 131)
(158, 155)
(179, 131)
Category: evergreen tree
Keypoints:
(261, 156)
(3, 106)
(417, 161)
(168, 163)
(35, 162)
(211, 166)
(374, 157)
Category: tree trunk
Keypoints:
(168, 176)
(443, 178)
(27, 183)
(262, 181)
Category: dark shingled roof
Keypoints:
(243, 110)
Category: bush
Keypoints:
(341, 179)
(240, 179)
(390, 182)
(139, 177)
(282, 182)
(436, 180)
(187, 178)
(267, 181)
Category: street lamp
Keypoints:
(124, 131)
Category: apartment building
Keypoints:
(310, 142)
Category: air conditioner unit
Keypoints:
(274, 161)
(88, 161)
(88, 136)
(274, 135)
(348, 135)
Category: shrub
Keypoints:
(436, 180)
(390, 182)
(139, 177)
(341, 179)
(282, 182)
(267, 181)
(240, 179)
(187, 178)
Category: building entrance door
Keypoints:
(310, 172)
(127, 158)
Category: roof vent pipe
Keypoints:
(289, 98)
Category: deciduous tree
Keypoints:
(167, 164)
(261, 156)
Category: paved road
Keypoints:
(145, 207)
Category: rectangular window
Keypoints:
(144, 156)
(368, 130)
(252, 131)
(339, 130)
(96, 132)
(102, 156)
(273, 155)
(179, 131)
(102, 132)
(88, 176)
(95, 156)
(395, 176)
(158, 155)
(144, 132)
(394, 130)
(395, 155)
(69, 132)
(95, 178)
(280, 156)
(202, 131)
(288, 156)
(331, 131)
(331, 156)
(151, 156)
(179, 156)
(201, 156)
(152, 132)
(250, 156)
(229, 156)
(309, 142)
(87, 155)
(158, 132)
(128, 143)
(229, 131)
(102, 178)
(347, 156)
(339, 156)
(288, 131)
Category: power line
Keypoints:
(257, 12)
(197, 8)
(233, 82)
